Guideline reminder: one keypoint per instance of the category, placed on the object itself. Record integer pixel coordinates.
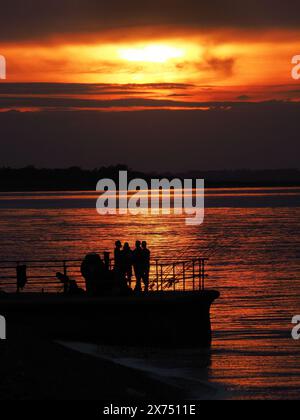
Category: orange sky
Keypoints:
(228, 63)
(232, 58)
(224, 66)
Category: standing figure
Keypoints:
(119, 275)
(146, 265)
(138, 265)
(127, 259)
(118, 257)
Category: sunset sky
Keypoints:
(131, 56)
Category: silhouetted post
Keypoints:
(200, 274)
(193, 274)
(157, 275)
(183, 273)
(203, 274)
(161, 276)
(174, 276)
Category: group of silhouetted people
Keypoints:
(138, 259)
(101, 280)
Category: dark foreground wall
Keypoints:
(174, 319)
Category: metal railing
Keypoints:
(165, 274)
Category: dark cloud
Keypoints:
(32, 19)
(243, 98)
(61, 103)
(93, 96)
(84, 88)
(80, 103)
(221, 65)
(67, 96)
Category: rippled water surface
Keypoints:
(252, 237)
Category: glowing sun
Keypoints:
(151, 53)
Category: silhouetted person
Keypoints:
(21, 277)
(70, 286)
(127, 260)
(138, 265)
(119, 276)
(146, 264)
(118, 256)
(93, 270)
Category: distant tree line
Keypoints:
(31, 178)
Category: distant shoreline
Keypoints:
(31, 179)
(86, 189)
